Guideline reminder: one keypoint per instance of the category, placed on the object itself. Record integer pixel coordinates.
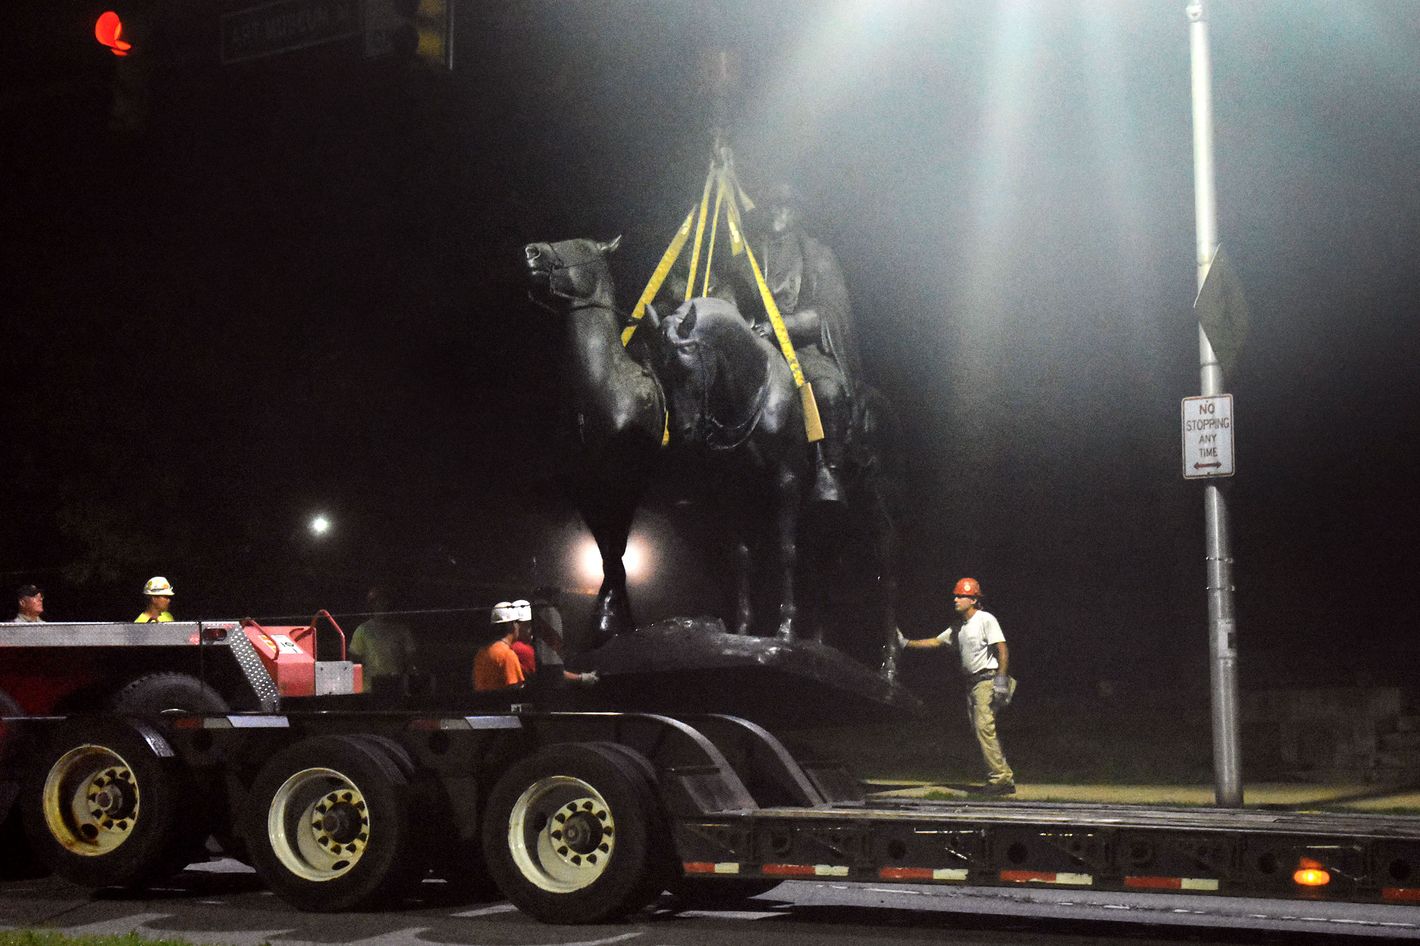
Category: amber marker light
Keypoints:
(1310, 873)
(108, 30)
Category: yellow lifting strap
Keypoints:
(813, 425)
(714, 230)
(663, 268)
(710, 178)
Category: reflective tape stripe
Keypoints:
(1171, 883)
(923, 873)
(803, 870)
(1046, 877)
(711, 867)
(1401, 894)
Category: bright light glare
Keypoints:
(320, 525)
(589, 561)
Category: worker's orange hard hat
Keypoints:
(968, 587)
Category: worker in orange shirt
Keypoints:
(496, 665)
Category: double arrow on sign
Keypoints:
(1204, 466)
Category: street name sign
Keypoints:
(286, 25)
(1208, 436)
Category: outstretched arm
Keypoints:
(925, 643)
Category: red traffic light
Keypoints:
(109, 32)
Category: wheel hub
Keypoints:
(112, 794)
(91, 800)
(562, 834)
(319, 824)
(341, 821)
(581, 832)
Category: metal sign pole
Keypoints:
(1222, 622)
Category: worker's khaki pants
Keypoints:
(983, 723)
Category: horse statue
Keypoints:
(617, 411)
(734, 404)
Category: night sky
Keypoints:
(297, 286)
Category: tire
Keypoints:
(9, 753)
(17, 861)
(691, 891)
(569, 835)
(173, 692)
(665, 867)
(330, 825)
(166, 692)
(103, 808)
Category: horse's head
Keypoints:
(687, 371)
(571, 270)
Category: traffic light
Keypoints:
(126, 31)
(108, 30)
(419, 30)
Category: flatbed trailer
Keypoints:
(586, 816)
(580, 817)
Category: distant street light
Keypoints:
(320, 525)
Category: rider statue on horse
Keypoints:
(808, 287)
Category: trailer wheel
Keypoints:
(166, 692)
(569, 835)
(9, 747)
(330, 825)
(665, 865)
(106, 804)
(17, 861)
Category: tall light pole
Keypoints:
(1222, 620)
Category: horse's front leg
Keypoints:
(787, 497)
(609, 519)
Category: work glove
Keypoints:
(901, 641)
(588, 679)
(1001, 692)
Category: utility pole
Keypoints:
(1222, 620)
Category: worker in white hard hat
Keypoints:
(496, 665)
(160, 594)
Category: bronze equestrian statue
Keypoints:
(618, 417)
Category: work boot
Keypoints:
(828, 487)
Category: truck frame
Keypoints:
(575, 816)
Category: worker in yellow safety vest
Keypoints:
(160, 595)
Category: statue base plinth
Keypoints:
(692, 665)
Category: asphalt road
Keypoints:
(224, 902)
